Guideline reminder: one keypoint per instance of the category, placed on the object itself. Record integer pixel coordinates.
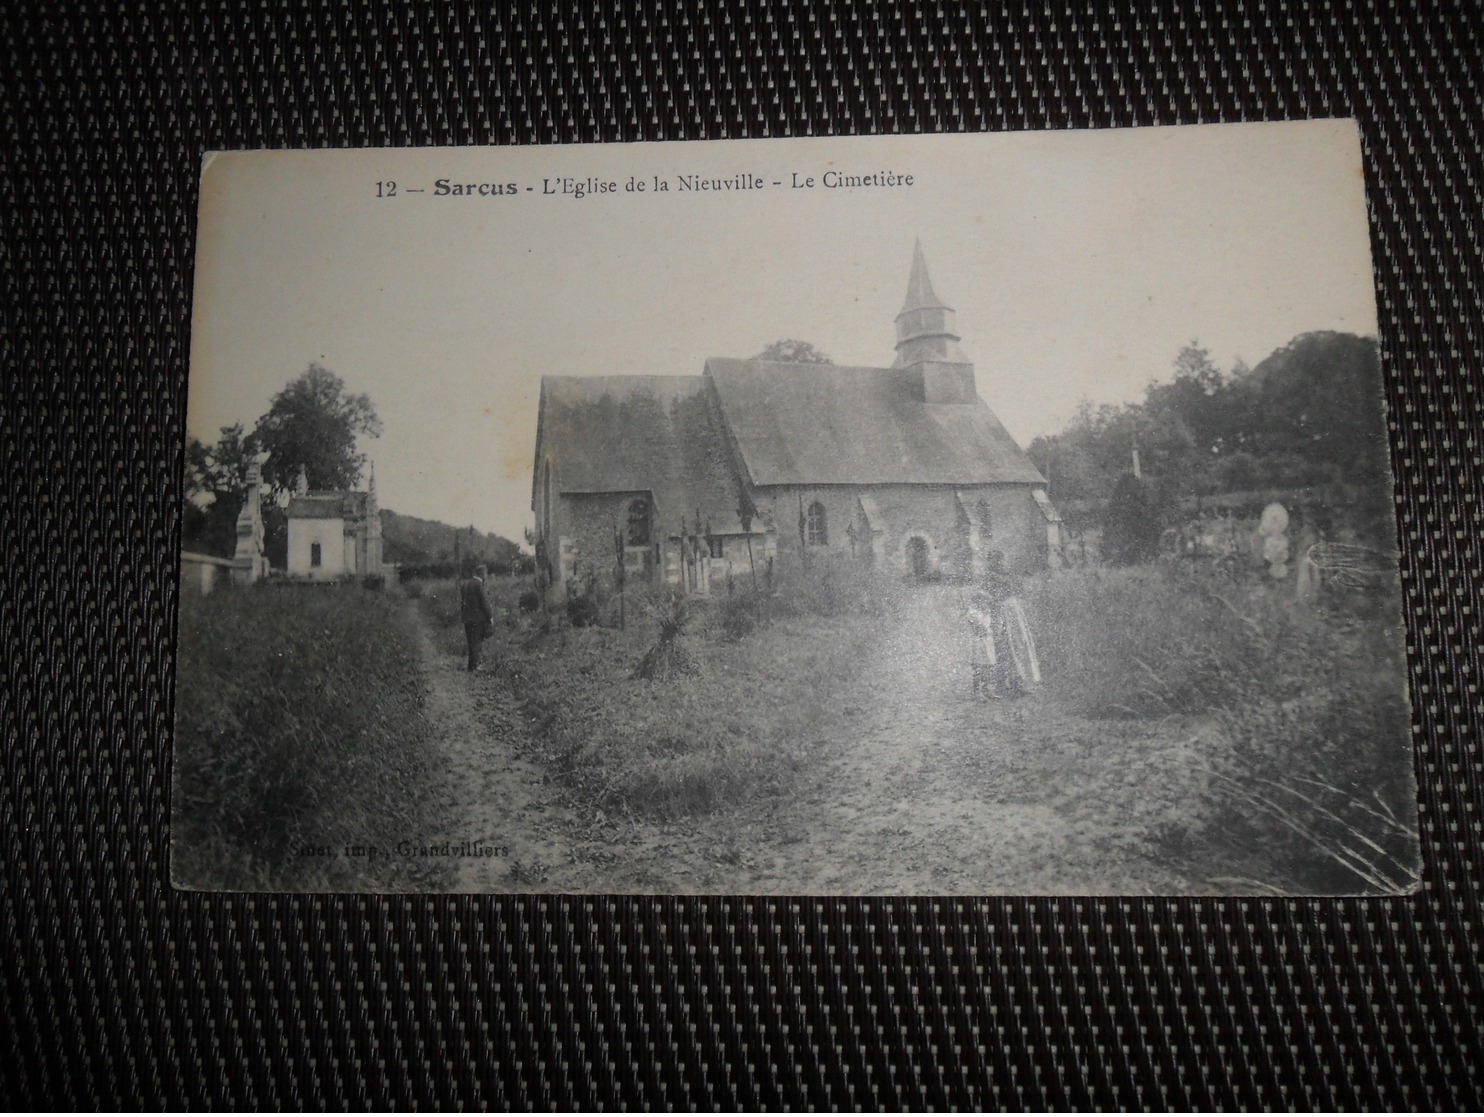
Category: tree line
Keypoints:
(1308, 417)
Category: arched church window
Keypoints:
(316, 555)
(816, 528)
(639, 523)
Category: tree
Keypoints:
(790, 351)
(1321, 398)
(1193, 364)
(215, 479)
(312, 426)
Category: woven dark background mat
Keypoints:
(119, 992)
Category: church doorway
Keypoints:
(919, 558)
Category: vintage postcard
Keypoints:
(932, 515)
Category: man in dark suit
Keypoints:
(474, 611)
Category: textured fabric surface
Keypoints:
(118, 992)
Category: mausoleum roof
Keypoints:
(328, 504)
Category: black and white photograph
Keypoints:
(961, 515)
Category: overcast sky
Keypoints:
(1078, 262)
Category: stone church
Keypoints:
(903, 467)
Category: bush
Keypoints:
(298, 722)
(1150, 641)
(1131, 530)
(1327, 773)
(667, 658)
(583, 611)
(739, 615)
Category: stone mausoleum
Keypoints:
(334, 535)
(903, 467)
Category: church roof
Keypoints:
(835, 425)
(640, 434)
(328, 504)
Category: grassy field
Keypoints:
(1214, 725)
(1300, 744)
(299, 728)
(1208, 733)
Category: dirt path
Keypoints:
(918, 791)
(496, 799)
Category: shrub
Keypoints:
(530, 601)
(1148, 641)
(1131, 530)
(1327, 773)
(667, 658)
(583, 611)
(739, 615)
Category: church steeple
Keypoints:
(925, 340)
(920, 293)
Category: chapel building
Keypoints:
(690, 477)
(334, 534)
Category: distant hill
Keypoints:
(411, 541)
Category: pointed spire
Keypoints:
(920, 293)
(925, 322)
(371, 485)
(926, 341)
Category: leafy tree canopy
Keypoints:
(790, 351)
(1308, 414)
(313, 426)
